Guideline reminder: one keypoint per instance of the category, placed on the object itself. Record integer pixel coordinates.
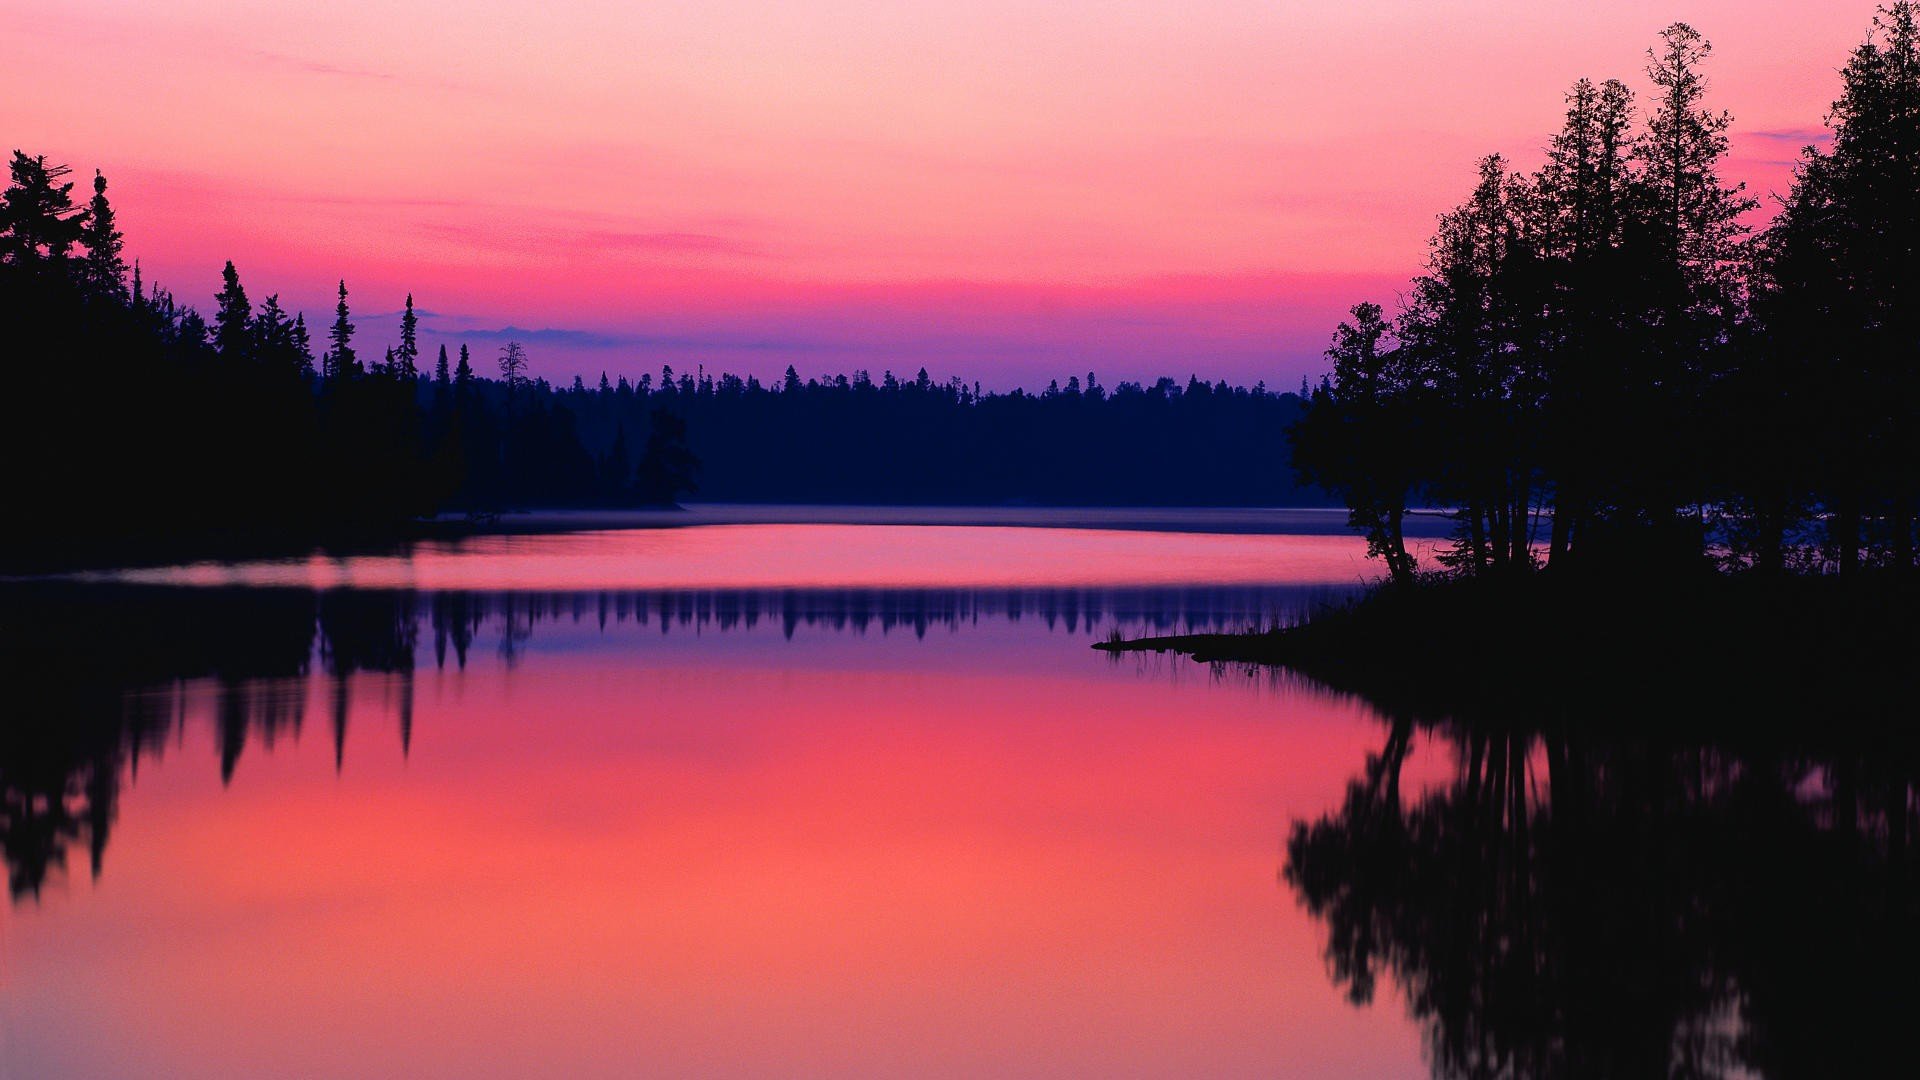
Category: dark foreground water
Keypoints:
(858, 800)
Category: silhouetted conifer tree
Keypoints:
(102, 269)
(233, 331)
(37, 216)
(340, 362)
(406, 358)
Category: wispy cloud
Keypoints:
(322, 67)
(589, 239)
(595, 339)
(1800, 136)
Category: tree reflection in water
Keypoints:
(1613, 899)
(95, 674)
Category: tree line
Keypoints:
(1605, 365)
(135, 424)
(887, 439)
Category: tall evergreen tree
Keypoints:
(301, 343)
(441, 372)
(463, 372)
(406, 358)
(1839, 281)
(273, 335)
(1692, 231)
(1584, 204)
(340, 362)
(1359, 439)
(102, 268)
(232, 317)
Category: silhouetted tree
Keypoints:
(513, 365)
(340, 362)
(37, 215)
(406, 358)
(102, 269)
(1358, 441)
(233, 331)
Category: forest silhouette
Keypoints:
(252, 429)
(1604, 366)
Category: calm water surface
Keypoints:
(779, 800)
(722, 800)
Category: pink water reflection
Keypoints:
(635, 855)
(812, 556)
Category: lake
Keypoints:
(747, 798)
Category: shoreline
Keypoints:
(1541, 650)
(141, 553)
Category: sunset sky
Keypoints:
(997, 190)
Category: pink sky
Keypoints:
(997, 190)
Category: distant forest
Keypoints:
(135, 423)
(1603, 366)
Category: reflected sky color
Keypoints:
(1004, 191)
(621, 852)
(620, 837)
(809, 557)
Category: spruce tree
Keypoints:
(301, 345)
(340, 362)
(406, 358)
(102, 269)
(273, 334)
(1693, 257)
(441, 372)
(232, 317)
(463, 372)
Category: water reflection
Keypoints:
(1603, 897)
(101, 678)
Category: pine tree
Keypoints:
(406, 358)
(273, 334)
(232, 317)
(441, 374)
(102, 269)
(1694, 219)
(301, 346)
(1583, 205)
(37, 216)
(1690, 265)
(340, 362)
(463, 373)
